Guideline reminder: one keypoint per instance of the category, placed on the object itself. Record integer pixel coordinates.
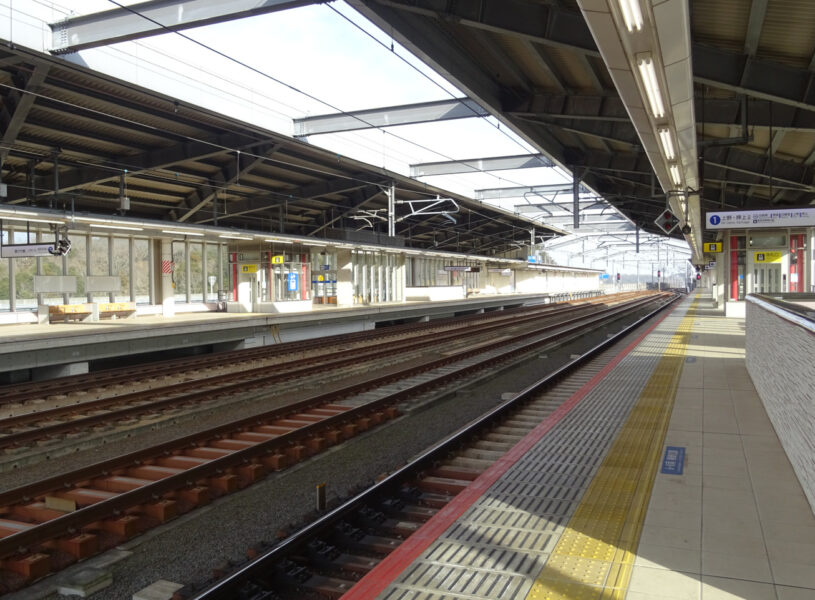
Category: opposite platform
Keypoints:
(580, 508)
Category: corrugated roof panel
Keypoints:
(797, 144)
(114, 97)
(721, 23)
(571, 68)
(522, 54)
(90, 127)
(73, 139)
(788, 35)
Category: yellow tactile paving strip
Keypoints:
(595, 555)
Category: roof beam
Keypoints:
(154, 18)
(757, 13)
(546, 65)
(757, 78)
(22, 104)
(549, 25)
(407, 114)
(154, 159)
(478, 165)
(537, 22)
(517, 192)
(224, 178)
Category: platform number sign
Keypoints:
(666, 221)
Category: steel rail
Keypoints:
(20, 392)
(229, 586)
(72, 522)
(189, 392)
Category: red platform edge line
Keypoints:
(372, 584)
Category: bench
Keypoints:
(117, 310)
(69, 312)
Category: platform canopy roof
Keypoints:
(73, 138)
(736, 77)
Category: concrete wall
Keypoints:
(780, 353)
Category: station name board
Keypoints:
(462, 268)
(24, 250)
(752, 219)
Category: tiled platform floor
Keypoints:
(736, 524)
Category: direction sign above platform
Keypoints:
(666, 221)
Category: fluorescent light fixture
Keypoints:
(235, 237)
(177, 232)
(320, 244)
(115, 227)
(94, 220)
(20, 213)
(632, 15)
(278, 240)
(648, 73)
(26, 219)
(676, 176)
(666, 139)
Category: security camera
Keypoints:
(686, 229)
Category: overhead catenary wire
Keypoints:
(263, 158)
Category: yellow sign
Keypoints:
(278, 260)
(320, 278)
(713, 247)
(249, 268)
(768, 257)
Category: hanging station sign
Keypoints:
(752, 219)
(249, 268)
(25, 250)
(713, 247)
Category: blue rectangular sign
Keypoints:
(674, 460)
(292, 282)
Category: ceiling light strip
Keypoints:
(632, 15)
(666, 139)
(645, 63)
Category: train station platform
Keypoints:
(59, 349)
(661, 478)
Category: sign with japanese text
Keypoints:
(249, 268)
(767, 257)
(713, 247)
(23, 250)
(751, 219)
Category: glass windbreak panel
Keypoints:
(180, 271)
(50, 266)
(213, 284)
(99, 263)
(196, 272)
(141, 271)
(121, 268)
(5, 276)
(289, 279)
(324, 278)
(24, 271)
(77, 266)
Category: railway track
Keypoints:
(52, 523)
(328, 557)
(28, 397)
(51, 425)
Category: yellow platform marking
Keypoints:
(595, 554)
